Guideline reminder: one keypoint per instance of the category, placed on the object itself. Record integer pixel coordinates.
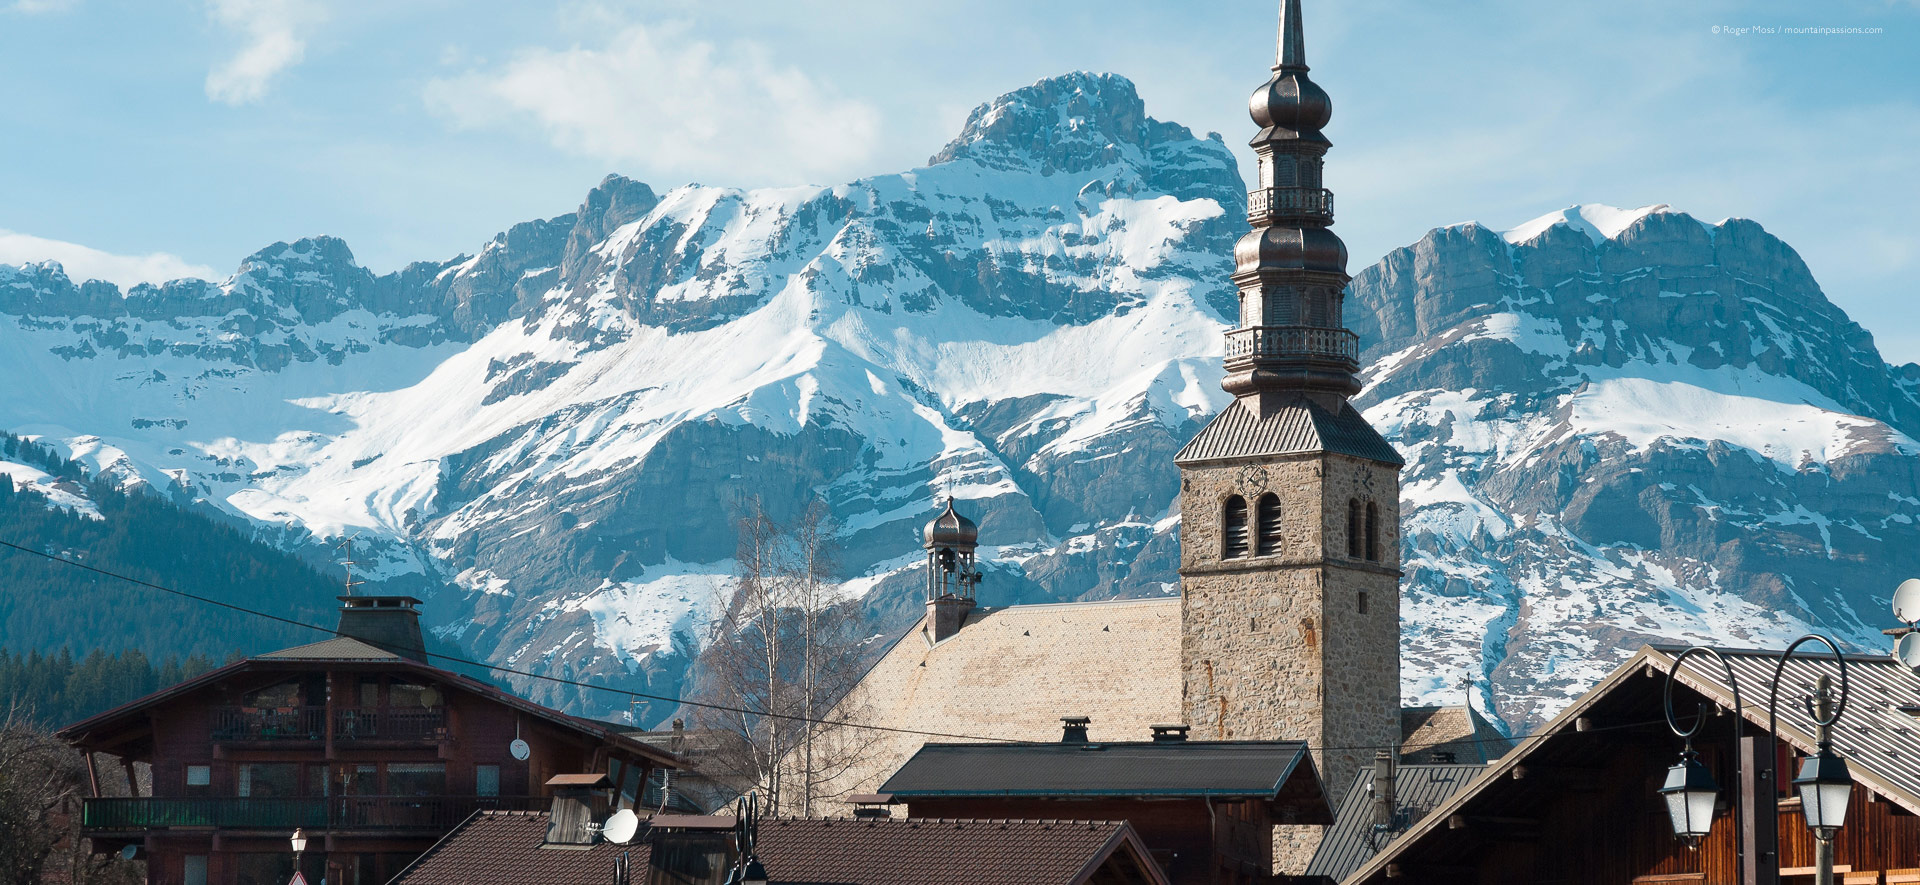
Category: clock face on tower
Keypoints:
(1253, 476)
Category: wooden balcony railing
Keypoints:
(269, 724)
(436, 813)
(1282, 341)
(1274, 202)
(389, 724)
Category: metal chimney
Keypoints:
(1385, 806)
(1074, 729)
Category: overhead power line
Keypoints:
(630, 693)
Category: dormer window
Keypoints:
(1233, 528)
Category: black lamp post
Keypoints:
(299, 841)
(1824, 784)
(749, 870)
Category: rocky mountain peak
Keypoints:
(1071, 123)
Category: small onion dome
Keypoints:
(1290, 248)
(1290, 107)
(950, 529)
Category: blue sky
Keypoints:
(155, 138)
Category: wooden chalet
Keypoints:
(1205, 809)
(1576, 802)
(356, 740)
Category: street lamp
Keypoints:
(299, 841)
(1824, 786)
(1690, 790)
(1690, 793)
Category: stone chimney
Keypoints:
(388, 622)
(1386, 812)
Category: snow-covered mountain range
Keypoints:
(1620, 425)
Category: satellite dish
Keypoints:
(1906, 601)
(519, 749)
(619, 828)
(129, 852)
(1906, 650)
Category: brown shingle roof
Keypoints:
(504, 846)
(946, 852)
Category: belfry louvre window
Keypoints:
(1233, 529)
(1356, 536)
(1267, 542)
(1373, 532)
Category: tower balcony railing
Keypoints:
(1316, 342)
(1268, 202)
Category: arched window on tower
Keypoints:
(1356, 528)
(1267, 542)
(1233, 528)
(1373, 532)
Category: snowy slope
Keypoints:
(1620, 424)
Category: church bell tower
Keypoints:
(1289, 500)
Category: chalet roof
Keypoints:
(131, 715)
(1298, 427)
(339, 648)
(1164, 769)
(1879, 739)
(1351, 840)
(1457, 729)
(504, 846)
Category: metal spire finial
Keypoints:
(1293, 39)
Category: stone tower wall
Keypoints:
(1274, 647)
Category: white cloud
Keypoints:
(274, 34)
(655, 96)
(36, 7)
(84, 263)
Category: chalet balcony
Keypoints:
(436, 813)
(354, 724)
(1283, 202)
(1313, 342)
(231, 724)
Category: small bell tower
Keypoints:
(951, 573)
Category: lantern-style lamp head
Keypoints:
(1824, 785)
(299, 841)
(1690, 793)
(754, 873)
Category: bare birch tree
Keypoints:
(784, 653)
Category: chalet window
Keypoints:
(268, 780)
(199, 780)
(1233, 531)
(1373, 532)
(357, 780)
(317, 780)
(409, 696)
(194, 870)
(369, 692)
(286, 694)
(486, 780)
(417, 778)
(1356, 528)
(1269, 524)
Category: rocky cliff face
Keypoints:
(1625, 427)
(1621, 426)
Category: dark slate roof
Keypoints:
(339, 648)
(1352, 839)
(1157, 769)
(505, 846)
(1296, 428)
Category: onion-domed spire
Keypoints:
(950, 529)
(1291, 270)
(1290, 105)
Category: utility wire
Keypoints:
(1514, 742)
